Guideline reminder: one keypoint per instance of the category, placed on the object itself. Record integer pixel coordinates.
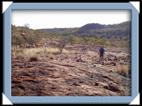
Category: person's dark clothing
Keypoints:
(101, 52)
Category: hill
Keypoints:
(92, 33)
(121, 30)
(117, 31)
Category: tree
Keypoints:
(27, 26)
(71, 39)
(62, 44)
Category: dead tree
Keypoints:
(29, 41)
(24, 37)
(62, 45)
(45, 46)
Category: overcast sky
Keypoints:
(67, 18)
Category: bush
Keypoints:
(31, 59)
(123, 70)
(31, 37)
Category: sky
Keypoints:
(37, 19)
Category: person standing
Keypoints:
(101, 54)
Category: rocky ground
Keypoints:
(72, 74)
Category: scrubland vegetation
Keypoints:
(65, 61)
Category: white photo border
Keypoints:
(72, 99)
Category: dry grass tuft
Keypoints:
(123, 70)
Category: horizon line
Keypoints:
(66, 27)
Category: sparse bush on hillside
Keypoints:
(37, 37)
(31, 38)
(71, 39)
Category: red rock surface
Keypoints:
(66, 75)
